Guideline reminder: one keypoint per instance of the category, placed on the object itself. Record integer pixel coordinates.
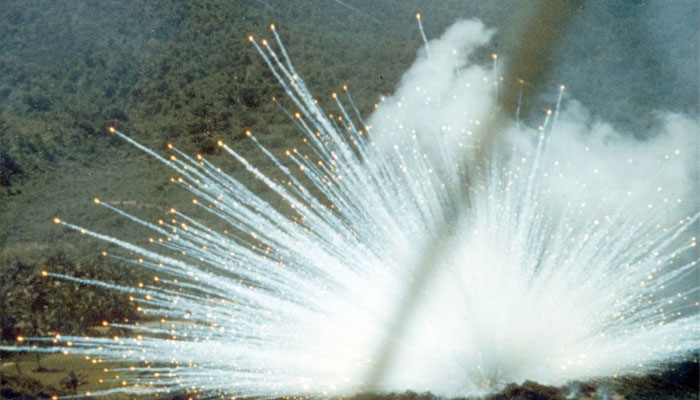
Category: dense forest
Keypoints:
(183, 72)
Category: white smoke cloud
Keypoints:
(443, 99)
(537, 283)
(479, 323)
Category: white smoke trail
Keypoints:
(570, 262)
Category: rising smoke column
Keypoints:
(569, 264)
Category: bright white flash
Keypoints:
(573, 259)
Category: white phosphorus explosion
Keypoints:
(575, 257)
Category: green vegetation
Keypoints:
(163, 72)
(178, 72)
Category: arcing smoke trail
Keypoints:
(537, 42)
(568, 263)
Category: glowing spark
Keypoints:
(542, 280)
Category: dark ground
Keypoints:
(679, 384)
(183, 72)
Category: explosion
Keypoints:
(570, 257)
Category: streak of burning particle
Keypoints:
(300, 303)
